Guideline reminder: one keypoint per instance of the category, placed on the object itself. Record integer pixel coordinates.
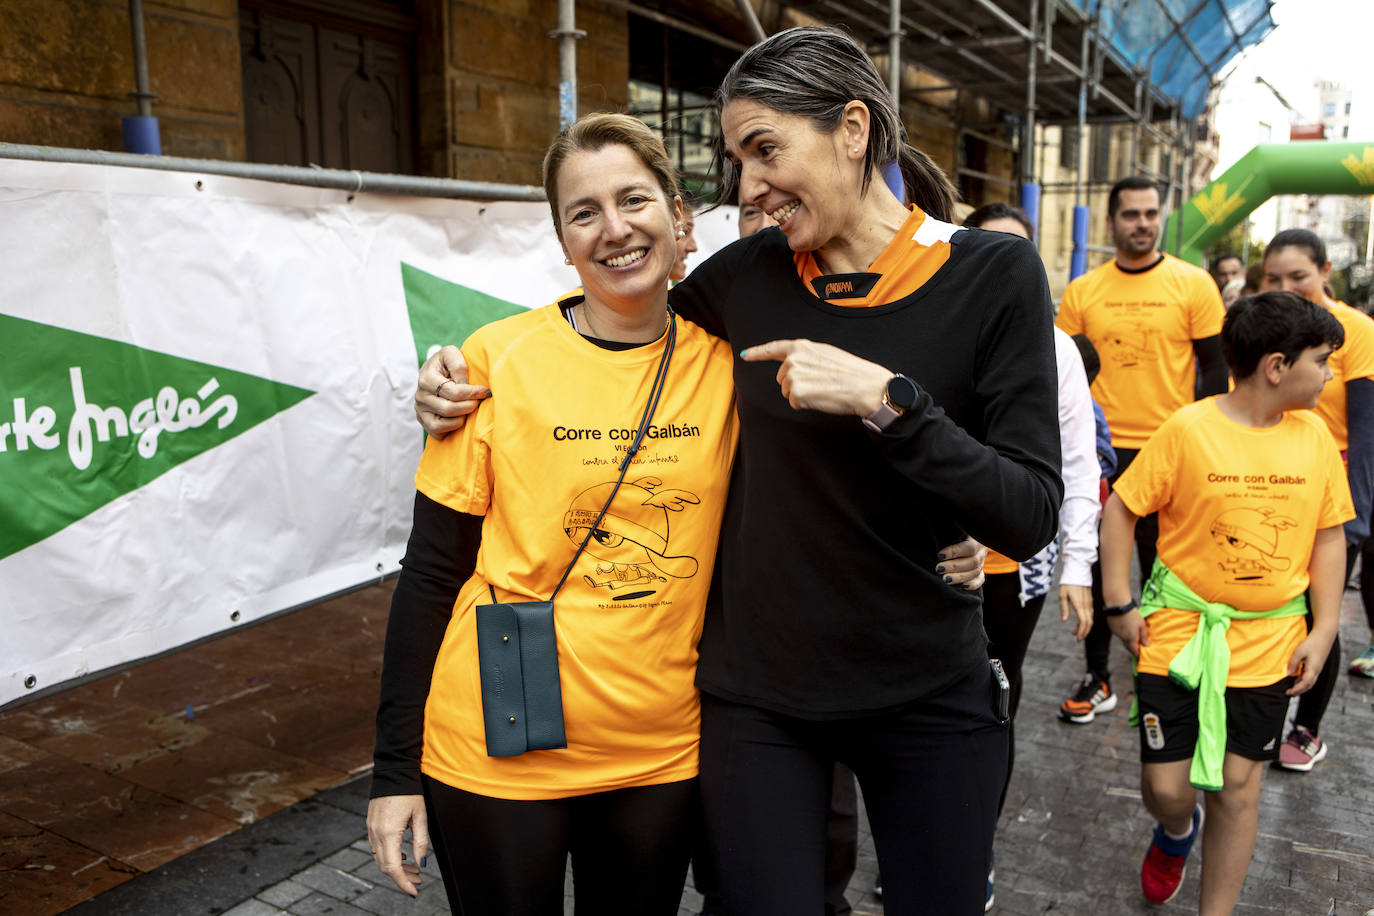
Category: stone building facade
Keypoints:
(453, 88)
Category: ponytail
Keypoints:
(927, 185)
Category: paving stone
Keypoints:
(324, 905)
(388, 903)
(337, 884)
(348, 859)
(254, 908)
(285, 893)
(234, 868)
(1069, 842)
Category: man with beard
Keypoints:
(1155, 321)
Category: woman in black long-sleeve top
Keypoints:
(896, 390)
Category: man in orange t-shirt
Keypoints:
(1154, 321)
(1251, 496)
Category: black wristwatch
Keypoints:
(1116, 610)
(898, 397)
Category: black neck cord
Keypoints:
(660, 382)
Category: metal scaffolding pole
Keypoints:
(1081, 70)
(894, 52)
(141, 91)
(751, 20)
(1028, 124)
(140, 131)
(1078, 260)
(335, 179)
(1135, 123)
(1082, 124)
(567, 34)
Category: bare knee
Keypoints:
(1240, 785)
(1166, 791)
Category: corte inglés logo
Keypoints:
(85, 420)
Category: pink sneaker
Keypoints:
(1301, 751)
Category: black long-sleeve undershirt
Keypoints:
(440, 556)
(1212, 375)
(1359, 422)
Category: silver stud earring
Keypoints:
(568, 261)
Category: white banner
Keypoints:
(205, 394)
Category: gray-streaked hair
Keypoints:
(814, 72)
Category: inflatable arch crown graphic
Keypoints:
(1268, 170)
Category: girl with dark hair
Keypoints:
(1296, 261)
(896, 391)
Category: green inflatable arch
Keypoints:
(1268, 170)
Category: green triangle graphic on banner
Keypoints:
(85, 420)
(444, 312)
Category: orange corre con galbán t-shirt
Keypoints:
(537, 460)
(1239, 509)
(1143, 325)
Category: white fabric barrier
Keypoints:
(205, 394)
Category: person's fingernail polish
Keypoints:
(939, 569)
(742, 352)
(949, 578)
(939, 556)
(424, 860)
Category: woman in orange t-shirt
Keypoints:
(1296, 261)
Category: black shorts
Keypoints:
(1168, 719)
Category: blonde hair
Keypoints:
(596, 131)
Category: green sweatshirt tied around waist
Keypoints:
(1204, 663)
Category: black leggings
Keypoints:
(1097, 645)
(1009, 625)
(930, 773)
(1312, 704)
(501, 857)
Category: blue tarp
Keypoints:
(1182, 44)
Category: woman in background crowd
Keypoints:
(1296, 261)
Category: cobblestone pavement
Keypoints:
(1069, 843)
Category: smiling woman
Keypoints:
(525, 504)
(1295, 261)
(897, 390)
(906, 397)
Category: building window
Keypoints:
(1329, 110)
(1347, 108)
(1068, 147)
(673, 76)
(1100, 160)
(1345, 132)
(683, 120)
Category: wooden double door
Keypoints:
(330, 84)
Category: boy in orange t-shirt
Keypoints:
(1251, 496)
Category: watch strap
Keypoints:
(880, 419)
(888, 410)
(1116, 610)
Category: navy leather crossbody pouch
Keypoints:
(517, 648)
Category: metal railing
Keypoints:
(335, 179)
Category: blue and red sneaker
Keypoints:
(1161, 874)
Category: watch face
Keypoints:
(901, 391)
